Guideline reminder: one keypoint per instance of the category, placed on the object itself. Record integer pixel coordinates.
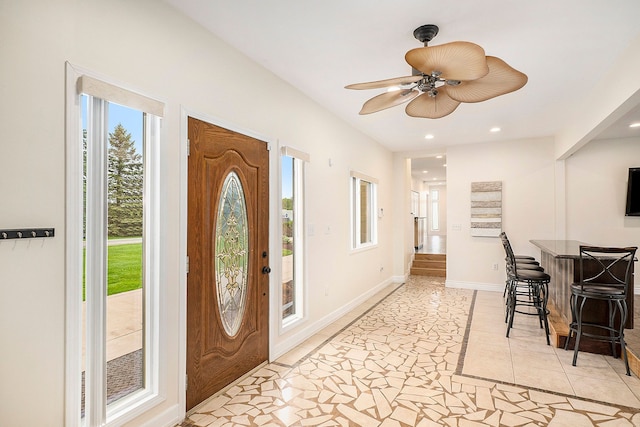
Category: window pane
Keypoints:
(366, 214)
(124, 290)
(83, 103)
(363, 210)
(288, 247)
(435, 223)
(114, 240)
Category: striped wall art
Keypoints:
(486, 209)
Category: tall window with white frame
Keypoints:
(118, 258)
(363, 211)
(435, 210)
(292, 178)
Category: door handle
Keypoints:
(266, 269)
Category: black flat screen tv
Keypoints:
(633, 193)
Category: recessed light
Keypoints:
(444, 166)
(635, 125)
(428, 136)
(425, 171)
(438, 157)
(495, 129)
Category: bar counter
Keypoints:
(561, 260)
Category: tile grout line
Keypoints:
(467, 332)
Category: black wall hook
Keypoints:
(26, 233)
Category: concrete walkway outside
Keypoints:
(124, 324)
(124, 317)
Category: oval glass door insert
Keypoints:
(231, 253)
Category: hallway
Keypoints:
(399, 360)
(433, 245)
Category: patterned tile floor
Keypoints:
(403, 361)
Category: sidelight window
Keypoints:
(113, 252)
(292, 267)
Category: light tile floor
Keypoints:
(417, 358)
(526, 360)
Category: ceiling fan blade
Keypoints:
(385, 83)
(455, 61)
(502, 79)
(432, 107)
(388, 100)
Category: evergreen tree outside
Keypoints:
(125, 185)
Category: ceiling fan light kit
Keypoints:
(443, 77)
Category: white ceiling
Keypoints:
(319, 46)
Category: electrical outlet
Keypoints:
(495, 267)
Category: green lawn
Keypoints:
(124, 268)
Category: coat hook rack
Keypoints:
(26, 233)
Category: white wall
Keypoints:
(596, 193)
(145, 46)
(526, 169)
(616, 94)
(403, 245)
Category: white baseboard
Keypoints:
(170, 417)
(308, 331)
(474, 285)
(400, 279)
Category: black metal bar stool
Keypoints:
(605, 275)
(526, 288)
(524, 262)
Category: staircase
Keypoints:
(429, 265)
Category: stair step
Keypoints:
(436, 272)
(429, 265)
(430, 257)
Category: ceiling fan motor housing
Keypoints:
(426, 33)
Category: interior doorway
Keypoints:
(429, 183)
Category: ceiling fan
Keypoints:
(443, 77)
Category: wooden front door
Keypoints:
(227, 246)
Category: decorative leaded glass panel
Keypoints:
(231, 254)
